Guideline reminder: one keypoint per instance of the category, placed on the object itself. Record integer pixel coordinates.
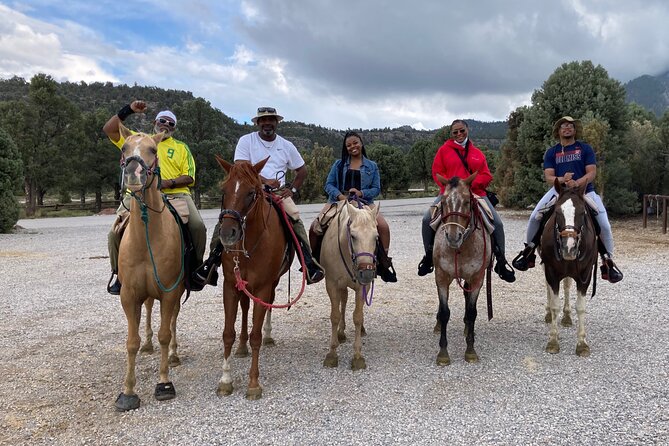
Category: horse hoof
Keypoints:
(471, 357)
(341, 337)
(242, 351)
(443, 359)
(127, 402)
(164, 391)
(566, 321)
(174, 361)
(553, 347)
(331, 360)
(224, 389)
(583, 350)
(254, 394)
(147, 348)
(358, 363)
(268, 341)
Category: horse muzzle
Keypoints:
(134, 175)
(366, 273)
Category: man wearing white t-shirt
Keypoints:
(283, 156)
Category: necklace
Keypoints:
(266, 144)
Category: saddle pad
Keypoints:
(436, 212)
(122, 219)
(181, 206)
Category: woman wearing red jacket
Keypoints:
(459, 157)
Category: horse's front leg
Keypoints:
(343, 300)
(582, 348)
(165, 389)
(128, 400)
(267, 338)
(566, 307)
(358, 361)
(243, 348)
(443, 316)
(331, 359)
(471, 312)
(230, 303)
(553, 304)
(254, 390)
(173, 357)
(147, 346)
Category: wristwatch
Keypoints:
(294, 190)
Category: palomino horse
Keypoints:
(151, 264)
(568, 250)
(256, 255)
(347, 255)
(462, 251)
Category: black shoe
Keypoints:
(314, 274)
(525, 260)
(206, 274)
(114, 288)
(611, 272)
(506, 274)
(425, 266)
(386, 271)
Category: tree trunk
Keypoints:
(31, 204)
(98, 201)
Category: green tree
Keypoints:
(419, 161)
(11, 171)
(318, 162)
(392, 166)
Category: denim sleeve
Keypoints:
(331, 186)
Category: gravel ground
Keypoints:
(62, 340)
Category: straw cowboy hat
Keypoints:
(266, 111)
(577, 126)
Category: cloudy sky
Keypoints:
(336, 63)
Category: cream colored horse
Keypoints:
(347, 255)
(150, 262)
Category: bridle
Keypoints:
(241, 222)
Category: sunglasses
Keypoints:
(566, 125)
(266, 110)
(458, 131)
(166, 121)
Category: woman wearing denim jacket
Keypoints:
(355, 175)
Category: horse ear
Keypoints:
(223, 163)
(260, 164)
(557, 185)
(157, 138)
(123, 130)
(470, 179)
(581, 188)
(442, 180)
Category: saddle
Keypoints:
(486, 214)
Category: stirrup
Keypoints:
(115, 287)
(610, 271)
(387, 272)
(507, 275)
(525, 260)
(426, 265)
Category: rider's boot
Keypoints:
(502, 267)
(207, 273)
(426, 266)
(314, 270)
(609, 270)
(114, 288)
(384, 264)
(526, 259)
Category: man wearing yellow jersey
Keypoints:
(177, 172)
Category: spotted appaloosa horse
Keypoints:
(347, 255)
(462, 251)
(256, 251)
(151, 263)
(568, 251)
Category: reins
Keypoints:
(240, 284)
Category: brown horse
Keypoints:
(256, 251)
(150, 261)
(568, 251)
(347, 255)
(462, 251)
